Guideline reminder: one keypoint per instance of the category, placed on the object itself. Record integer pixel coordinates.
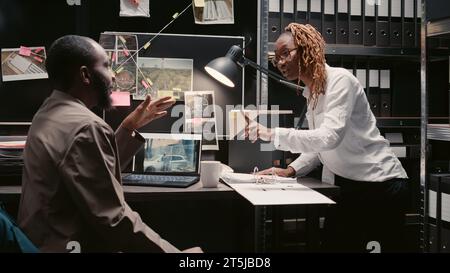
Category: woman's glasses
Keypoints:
(283, 55)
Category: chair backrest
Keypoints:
(12, 239)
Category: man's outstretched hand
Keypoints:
(146, 112)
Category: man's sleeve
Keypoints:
(128, 144)
(305, 163)
(88, 171)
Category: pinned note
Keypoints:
(145, 84)
(120, 98)
(119, 70)
(122, 39)
(149, 81)
(126, 52)
(38, 59)
(37, 50)
(199, 3)
(147, 45)
(25, 51)
(175, 15)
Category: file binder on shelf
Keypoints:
(302, 11)
(355, 26)
(385, 93)
(342, 31)
(287, 16)
(418, 22)
(274, 20)
(361, 76)
(383, 33)
(409, 32)
(329, 22)
(315, 15)
(369, 24)
(373, 92)
(396, 23)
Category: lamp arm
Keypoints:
(271, 74)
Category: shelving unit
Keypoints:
(405, 87)
(435, 136)
(438, 132)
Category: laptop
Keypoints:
(166, 160)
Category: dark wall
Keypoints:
(437, 9)
(37, 23)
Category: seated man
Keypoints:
(71, 188)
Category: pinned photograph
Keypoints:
(164, 77)
(213, 11)
(121, 50)
(200, 117)
(24, 63)
(199, 104)
(134, 8)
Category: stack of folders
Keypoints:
(384, 23)
(377, 85)
(11, 151)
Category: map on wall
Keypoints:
(164, 77)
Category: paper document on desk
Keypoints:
(285, 191)
(250, 178)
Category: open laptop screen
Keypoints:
(169, 153)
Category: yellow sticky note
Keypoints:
(175, 15)
(146, 45)
(122, 39)
(149, 81)
(199, 3)
(119, 70)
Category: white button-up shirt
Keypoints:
(342, 134)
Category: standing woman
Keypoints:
(343, 137)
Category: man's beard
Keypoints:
(103, 88)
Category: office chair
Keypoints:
(12, 239)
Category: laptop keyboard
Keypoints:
(159, 180)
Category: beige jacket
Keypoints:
(71, 185)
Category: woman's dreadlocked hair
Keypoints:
(312, 59)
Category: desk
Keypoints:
(241, 225)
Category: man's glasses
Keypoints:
(284, 55)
